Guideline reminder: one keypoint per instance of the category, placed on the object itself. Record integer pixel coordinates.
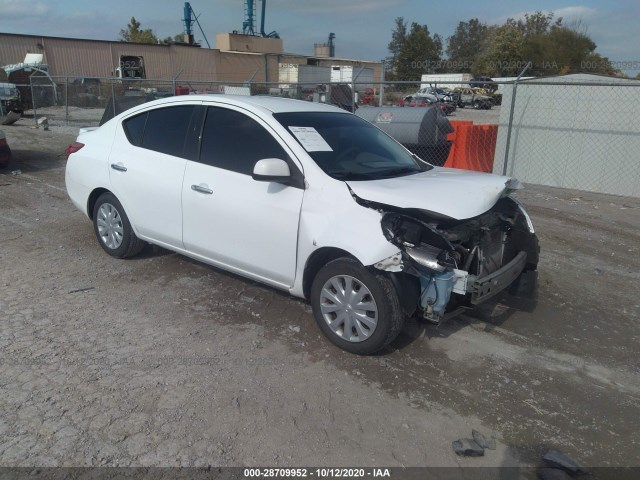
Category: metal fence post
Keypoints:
(175, 80)
(66, 101)
(33, 101)
(113, 98)
(511, 112)
(381, 103)
(353, 95)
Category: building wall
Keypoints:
(96, 58)
(13, 48)
(582, 137)
(375, 66)
(92, 58)
(237, 42)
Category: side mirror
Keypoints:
(271, 170)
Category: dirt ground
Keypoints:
(160, 360)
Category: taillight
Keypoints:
(3, 142)
(74, 148)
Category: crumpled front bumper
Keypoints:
(484, 288)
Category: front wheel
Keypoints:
(113, 229)
(356, 308)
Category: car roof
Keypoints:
(272, 104)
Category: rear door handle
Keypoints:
(119, 167)
(201, 189)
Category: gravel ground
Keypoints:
(162, 361)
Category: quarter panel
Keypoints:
(87, 169)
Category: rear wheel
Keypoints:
(356, 308)
(113, 229)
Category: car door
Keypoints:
(147, 165)
(230, 219)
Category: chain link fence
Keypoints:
(570, 132)
(573, 134)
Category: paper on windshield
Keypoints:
(310, 139)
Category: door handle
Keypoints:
(201, 189)
(119, 167)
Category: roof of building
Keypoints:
(75, 39)
(581, 77)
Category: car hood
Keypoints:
(458, 194)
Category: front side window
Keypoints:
(234, 141)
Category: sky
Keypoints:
(362, 27)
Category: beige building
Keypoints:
(238, 58)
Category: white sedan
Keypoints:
(306, 198)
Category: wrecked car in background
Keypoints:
(469, 97)
(10, 104)
(306, 198)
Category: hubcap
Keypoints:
(349, 308)
(110, 228)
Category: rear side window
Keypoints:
(234, 141)
(134, 128)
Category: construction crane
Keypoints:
(189, 19)
(249, 24)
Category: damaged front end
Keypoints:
(460, 263)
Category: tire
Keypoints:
(477, 105)
(113, 229)
(374, 325)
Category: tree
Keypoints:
(437, 45)
(133, 33)
(418, 53)
(466, 44)
(504, 58)
(537, 23)
(398, 39)
(551, 46)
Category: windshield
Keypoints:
(349, 148)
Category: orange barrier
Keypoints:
(474, 146)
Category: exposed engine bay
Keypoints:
(460, 263)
